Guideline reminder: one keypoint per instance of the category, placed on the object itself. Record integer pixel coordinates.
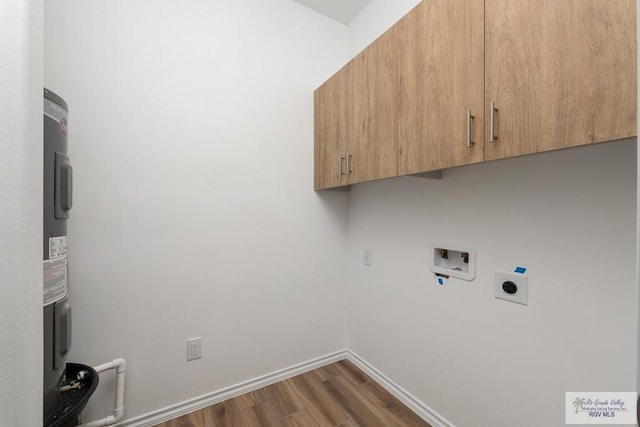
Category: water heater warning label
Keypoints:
(55, 271)
(55, 279)
(57, 246)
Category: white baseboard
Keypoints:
(226, 393)
(416, 405)
(183, 408)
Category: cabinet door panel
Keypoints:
(375, 109)
(441, 75)
(562, 73)
(332, 129)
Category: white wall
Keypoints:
(374, 19)
(191, 136)
(569, 216)
(21, 213)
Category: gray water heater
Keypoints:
(58, 192)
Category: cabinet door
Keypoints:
(333, 129)
(561, 73)
(441, 76)
(375, 94)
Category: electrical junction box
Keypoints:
(453, 261)
(513, 287)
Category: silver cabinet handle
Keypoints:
(340, 159)
(349, 171)
(492, 113)
(469, 120)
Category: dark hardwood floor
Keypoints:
(339, 394)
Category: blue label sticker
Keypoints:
(440, 281)
(520, 270)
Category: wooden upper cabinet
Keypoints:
(333, 130)
(456, 82)
(441, 77)
(562, 73)
(375, 94)
(356, 119)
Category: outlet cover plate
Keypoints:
(194, 348)
(522, 282)
(366, 257)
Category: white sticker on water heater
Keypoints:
(55, 270)
(55, 279)
(57, 246)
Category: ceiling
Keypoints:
(340, 10)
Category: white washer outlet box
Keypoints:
(454, 261)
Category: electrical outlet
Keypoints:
(366, 257)
(194, 348)
(512, 287)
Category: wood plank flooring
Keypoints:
(337, 395)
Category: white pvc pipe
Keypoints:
(120, 365)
